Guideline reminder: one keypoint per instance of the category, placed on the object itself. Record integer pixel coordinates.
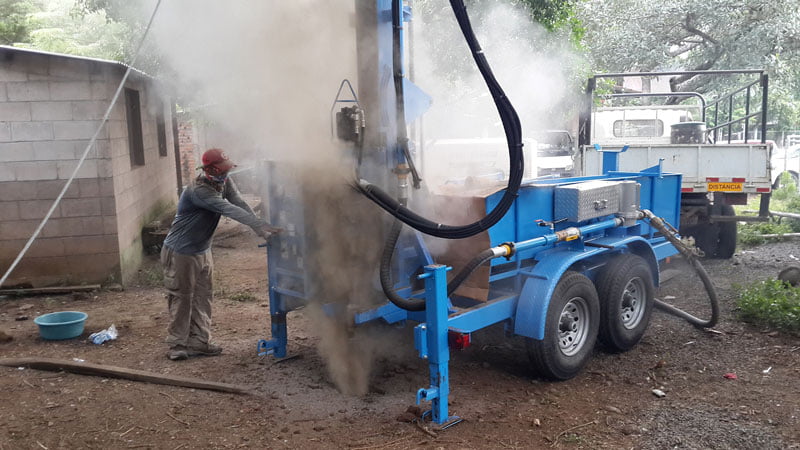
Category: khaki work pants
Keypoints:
(189, 293)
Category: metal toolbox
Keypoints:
(587, 200)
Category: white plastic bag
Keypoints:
(109, 334)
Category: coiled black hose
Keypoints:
(687, 253)
(513, 132)
(419, 304)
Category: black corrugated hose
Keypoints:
(511, 125)
(419, 304)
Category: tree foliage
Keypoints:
(14, 26)
(642, 35)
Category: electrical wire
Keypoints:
(85, 152)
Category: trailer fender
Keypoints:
(538, 288)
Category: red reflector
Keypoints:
(763, 189)
(738, 180)
(712, 180)
(687, 190)
(458, 341)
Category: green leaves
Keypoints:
(771, 303)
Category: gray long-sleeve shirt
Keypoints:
(199, 210)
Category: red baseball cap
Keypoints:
(217, 158)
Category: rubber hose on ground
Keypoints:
(701, 272)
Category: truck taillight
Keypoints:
(458, 341)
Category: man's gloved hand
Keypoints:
(267, 230)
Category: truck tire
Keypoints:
(726, 246)
(626, 291)
(571, 328)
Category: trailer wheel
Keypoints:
(727, 235)
(570, 332)
(625, 288)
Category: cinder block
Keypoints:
(12, 74)
(30, 171)
(87, 170)
(117, 129)
(9, 211)
(74, 226)
(70, 90)
(31, 131)
(15, 111)
(89, 110)
(106, 186)
(28, 91)
(76, 130)
(54, 150)
(85, 245)
(110, 225)
(9, 249)
(104, 168)
(89, 187)
(18, 190)
(81, 207)
(17, 151)
(3, 94)
(51, 110)
(108, 206)
(49, 190)
(70, 69)
(47, 247)
(100, 90)
(5, 132)
(18, 229)
(37, 209)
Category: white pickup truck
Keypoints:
(699, 141)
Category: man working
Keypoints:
(186, 254)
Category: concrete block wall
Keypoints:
(50, 106)
(142, 193)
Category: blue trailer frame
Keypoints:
(520, 286)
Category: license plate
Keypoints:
(724, 187)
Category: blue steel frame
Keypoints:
(519, 286)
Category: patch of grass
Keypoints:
(750, 233)
(771, 303)
(243, 297)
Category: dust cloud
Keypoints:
(266, 74)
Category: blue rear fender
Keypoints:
(534, 299)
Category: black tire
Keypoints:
(726, 246)
(570, 332)
(626, 291)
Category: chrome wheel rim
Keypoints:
(632, 304)
(573, 326)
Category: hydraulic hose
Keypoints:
(385, 273)
(513, 132)
(687, 253)
(419, 304)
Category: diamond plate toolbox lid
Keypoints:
(586, 200)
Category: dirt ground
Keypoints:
(294, 404)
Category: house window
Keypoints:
(161, 129)
(133, 110)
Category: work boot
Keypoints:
(178, 353)
(207, 349)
